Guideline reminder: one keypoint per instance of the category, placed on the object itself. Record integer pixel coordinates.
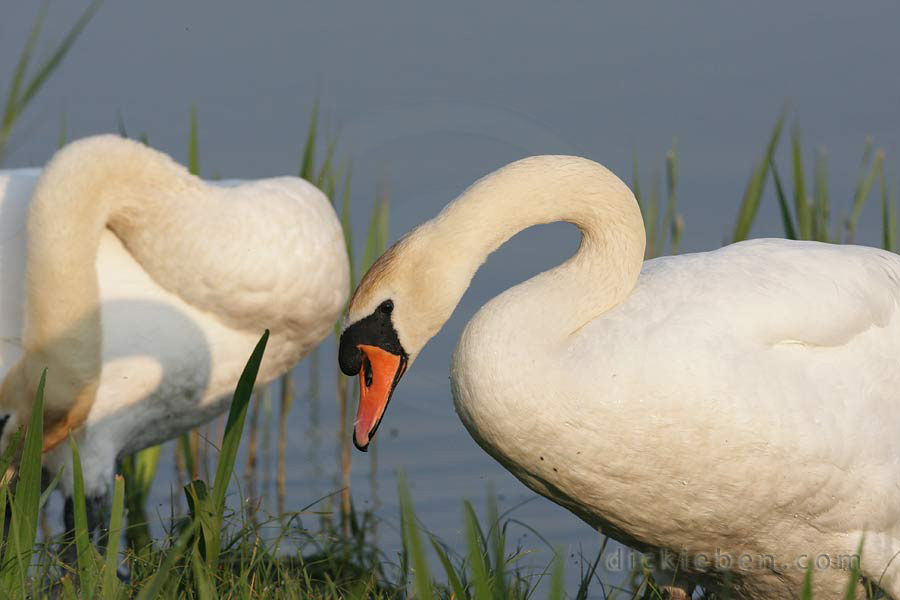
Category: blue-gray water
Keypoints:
(432, 97)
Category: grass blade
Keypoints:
(381, 226)
(753, 193)
(497, 540)
(202, 580)
(786, 220)
(87, 565)
(677, 230)
(193, 145)
(861, 194)
(111, 582)
(853, 578)
(806, 590)
(347, 228)
(12, 108)
(477, 555)
(26, 499)
(888, 217)
(45, 493)
(586, 578)
(4, 490)
(62, 135)
(233, 429)
(184, 445)
(346, 225)
(413, 540)
(801, 203)
(16, 103)
(15, 569)
(153, 588)
(308, 159)
(120, 125)
(556, 582)
(69, 588)
(820, 197)
(452, 577)
(377, 230)
(652, 218)
(668, 222)
(52, 62)
(326, 172)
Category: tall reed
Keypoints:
(671, 226)
(809, 214)
(25, 82)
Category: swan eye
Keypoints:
(386, 307)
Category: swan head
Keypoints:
(401, 303)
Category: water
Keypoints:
(432, 97)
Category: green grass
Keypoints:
(807, 211)
(26, 81)
(668, 227)
(214, 553)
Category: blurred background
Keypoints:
(423, 99)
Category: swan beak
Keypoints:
(379, 374)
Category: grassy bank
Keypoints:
(211, 552)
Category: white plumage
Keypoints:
(187, 275)
(741, 402)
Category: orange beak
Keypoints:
(380, 372)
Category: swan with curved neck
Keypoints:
(741, 403)
(143, 289)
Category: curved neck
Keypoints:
(89, 185)
(538, 190)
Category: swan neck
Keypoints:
(88, 186)
(542, 190)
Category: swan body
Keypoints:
(116, 250)
(726, 406)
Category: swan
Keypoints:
(143, 290)
(736, 410)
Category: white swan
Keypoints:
(741, 403)
(145, 290)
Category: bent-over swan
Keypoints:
(739, 409)
(143, 290)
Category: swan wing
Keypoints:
(780, 291)
(750, 360)
(790, 339)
